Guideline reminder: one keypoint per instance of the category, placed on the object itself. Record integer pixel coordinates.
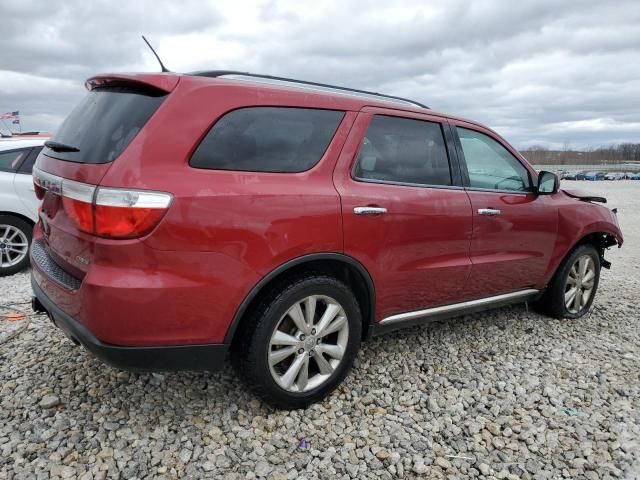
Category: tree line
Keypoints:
(624, 152)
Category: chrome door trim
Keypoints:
(457, 307)
(369, 210)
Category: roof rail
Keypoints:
(222, 73)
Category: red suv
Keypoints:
(188, 217)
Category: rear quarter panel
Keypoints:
(262, 219)
(23, 186)
(10, 202)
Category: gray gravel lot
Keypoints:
(505, 394)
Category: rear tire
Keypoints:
(15, 240)
(300, 341)
(571, 292)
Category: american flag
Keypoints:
(8, 115)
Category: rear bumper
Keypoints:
(139, 358)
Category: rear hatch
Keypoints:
(74, 212)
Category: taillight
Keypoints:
(106, 212)
(77, 200)
(43, 182)
(39, 190)
(128, 213)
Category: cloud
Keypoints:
(540, 72)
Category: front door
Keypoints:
(514, 229)
(406, 217)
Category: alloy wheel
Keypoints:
(580, 282)
(14, 246)
(308, 343)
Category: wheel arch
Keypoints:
(18, 215)
(599, 239)
(341, 266)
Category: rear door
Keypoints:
(514, 230)
(406, 217)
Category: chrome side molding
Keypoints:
(461, 307)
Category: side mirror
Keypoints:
(548, 183)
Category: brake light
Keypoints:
(80, 212)
(128, 213)
(77, 200)
(106, 212)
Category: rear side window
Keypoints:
(402, 150)
(27, 165)
(267, 139)
(104, 123)
(10, 161)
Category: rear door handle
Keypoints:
(369, 210)
(488, 211)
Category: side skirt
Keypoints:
(420, 317)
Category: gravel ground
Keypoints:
(506, 394)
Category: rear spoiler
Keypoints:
(584, 196)
(165, 82)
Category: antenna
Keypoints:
(164, 69)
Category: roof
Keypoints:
(351, 98)
(304, 84)
(11, 143)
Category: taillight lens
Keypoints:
(77, 200)
(81, 213)
(128, 213)
(39, 190)
(107, 212)
(43, 182)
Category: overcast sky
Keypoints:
(540, 72)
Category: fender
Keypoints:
(565, 244)
(299, 261)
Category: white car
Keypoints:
(18, 202)
(614, 176)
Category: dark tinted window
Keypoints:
(104, 123)
(490, 165)
(10, 161)
(404, 150)
(27, 165)
(268, 139)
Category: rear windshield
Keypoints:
(104, 123)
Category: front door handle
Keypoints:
(488, 211)
(369, 210)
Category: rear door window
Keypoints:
(104, 123)
(403, 150)
(11, 160)
(268, 139)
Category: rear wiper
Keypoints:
(60, 147)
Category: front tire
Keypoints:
(15, 240)
(572, 290)
(300, 341)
